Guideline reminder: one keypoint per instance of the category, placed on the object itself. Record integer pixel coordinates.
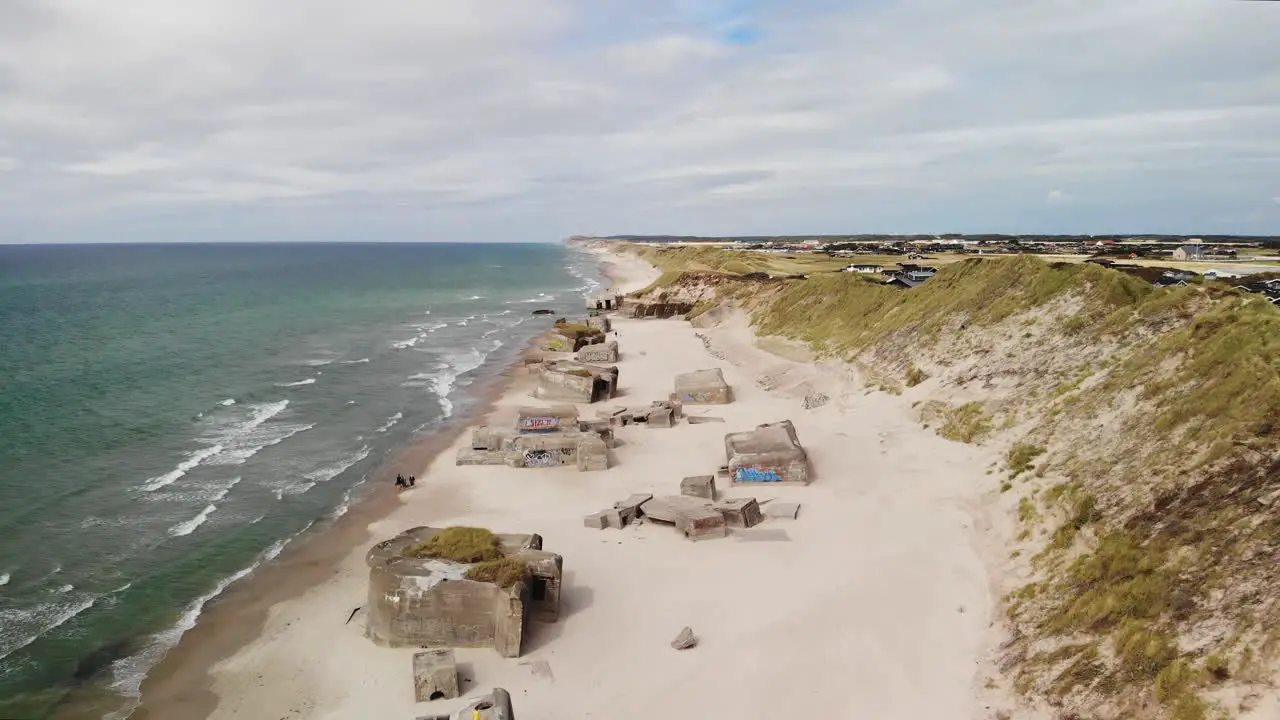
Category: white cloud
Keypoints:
(911, 115)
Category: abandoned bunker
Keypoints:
(702, 387)
(769, 454)
(576, 382)
(419, 596)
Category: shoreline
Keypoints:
(909, 603)
(180, 684)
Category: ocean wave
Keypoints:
(46, 617)
(429, 328)
(65, 589)
(327, 472)
(406, 344)
(243, 448)
(193, 459)
(476, 297)
(4, 579)
(308, 381)
(355, 362)
(541, 298)
(129, 672)
(183, 529)
(228, 402)
(317, 363)
(391, 421)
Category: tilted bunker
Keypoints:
(417, 601)
(576, 382)
(769, 454)
(702, 387)
(606, 352)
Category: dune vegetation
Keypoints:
(1140, 432)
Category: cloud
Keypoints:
(438, 119)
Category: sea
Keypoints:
(172, 416)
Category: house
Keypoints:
(864, 268)
(1192, 251)
(1172, 278)
(1217, 274)
(920, 269)
(908, 280)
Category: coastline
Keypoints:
(179, 685)
(908, 604)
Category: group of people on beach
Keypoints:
(405, 482)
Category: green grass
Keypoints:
(1020, 457)
(459, 544)
(1162, 505)
(968, 423)
(503, 572)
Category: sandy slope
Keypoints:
(877, 606)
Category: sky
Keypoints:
(467, 120)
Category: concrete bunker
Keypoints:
(605, 302)
(606, 352)
(419, 598)
(702, 387)
(576, 382)
(769, 454)
(495, 705)
(586, 451)
(544, 420)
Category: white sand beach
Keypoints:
(874, 603)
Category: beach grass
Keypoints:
(459, 544)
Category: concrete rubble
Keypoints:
(702, 486)
(435, 675)
(495, 705)
(702, 387)
(622, 514)
(685, 640)
(769, 454)
(739, 512)
(693, 517)
(430, 602)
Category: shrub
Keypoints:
(503, 572)
(915, 376)
(1020, 457)
(459, 544)
(967, 423)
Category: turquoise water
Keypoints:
(172, 415)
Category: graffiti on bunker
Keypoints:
(755, 474)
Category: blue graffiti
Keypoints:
(754, 474)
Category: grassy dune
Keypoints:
(1142, 429)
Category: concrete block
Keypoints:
(661, 418)
(703, 486)
(739, 512)
(632, 504)
(702, 524)
(435, 675)
(615, 518)
(782, 510)
(595, 521)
